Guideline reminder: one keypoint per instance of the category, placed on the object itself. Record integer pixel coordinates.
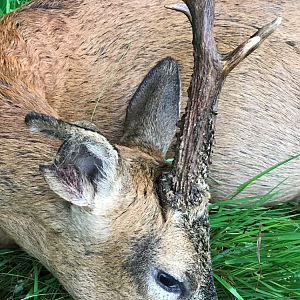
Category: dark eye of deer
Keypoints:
(167, 282)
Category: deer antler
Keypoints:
(185, 185)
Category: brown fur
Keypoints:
(69, 59)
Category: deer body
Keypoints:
(71, 56)
(55, 59)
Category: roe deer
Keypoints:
(96, 219)
(112, 238)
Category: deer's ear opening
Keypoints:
(83, 171)
(86, 165)
(154, 109)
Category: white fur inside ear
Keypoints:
(69, 190)
(107, 181)
(85, 170)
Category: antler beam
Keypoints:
(185, 185)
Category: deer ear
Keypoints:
(85, 166)
(153, 111)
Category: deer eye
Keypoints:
(167, 282)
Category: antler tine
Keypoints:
(242, 51)
(185, 185)
(182, 8)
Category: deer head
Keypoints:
(144, 248)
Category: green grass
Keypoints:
(22, 277)
(235, 251)
(8, 5)
(255, 250)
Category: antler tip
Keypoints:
(278, 21)
(181, 8)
